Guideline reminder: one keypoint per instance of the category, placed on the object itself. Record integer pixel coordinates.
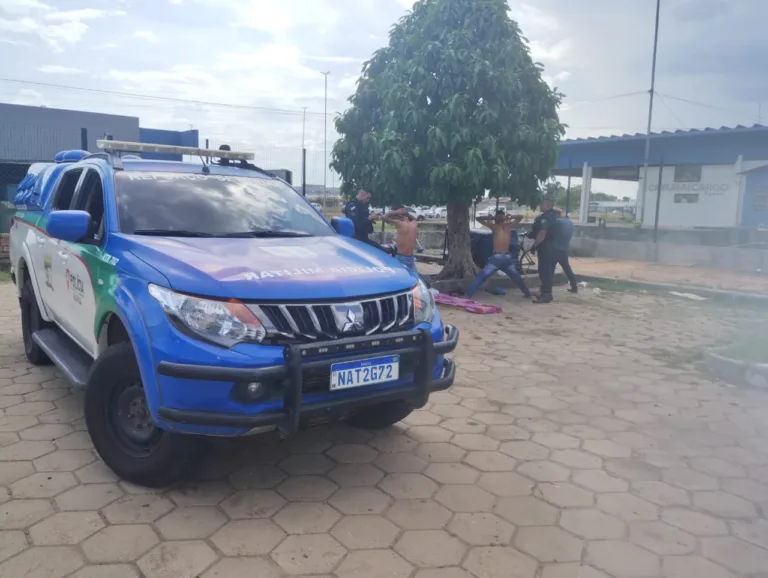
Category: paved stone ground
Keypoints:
(580, 441)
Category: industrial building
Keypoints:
(31, 134)
(710, 178)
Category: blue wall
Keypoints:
(186, 138)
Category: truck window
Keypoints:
(212, 205)
(91, 199)
(66, 190)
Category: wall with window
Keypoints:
(694, 195)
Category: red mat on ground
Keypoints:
(464, 303)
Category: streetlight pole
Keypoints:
(651, 92)
(304, 154)
(325, 140)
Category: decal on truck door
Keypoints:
(48, 267)
(75, 286)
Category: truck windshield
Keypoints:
(212, 205)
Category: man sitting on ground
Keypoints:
(501, 226)
(562, 244)
(405, 238)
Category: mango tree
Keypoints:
(452, 108)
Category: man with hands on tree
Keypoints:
(501, 225)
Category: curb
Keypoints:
(716, 294)
(738, 372)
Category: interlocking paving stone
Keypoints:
(605, 461)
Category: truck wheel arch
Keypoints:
(24, 272)
(113, 331)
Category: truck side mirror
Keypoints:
(343, 226)
(72, 226)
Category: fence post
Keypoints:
(568, 191)
(304, 174)
(658, 201)
(84, 139)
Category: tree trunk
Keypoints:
(460, 264)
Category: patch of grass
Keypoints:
(5, 276)
(749, 343)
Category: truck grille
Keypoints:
(306, 322)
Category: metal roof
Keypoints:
(619, 156)
(677, 133)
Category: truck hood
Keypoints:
(331, 267)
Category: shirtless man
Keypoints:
(501, 226)
(407, 228)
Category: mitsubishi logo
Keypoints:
(348, 317)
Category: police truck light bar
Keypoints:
(137, 147)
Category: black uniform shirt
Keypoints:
(359, 212)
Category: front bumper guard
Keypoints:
(295, 412)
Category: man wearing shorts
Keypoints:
(501, 226)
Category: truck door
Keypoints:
(48, 263)
(86, 270)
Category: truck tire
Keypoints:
(122, 429)
(31, 321)
(380, 416)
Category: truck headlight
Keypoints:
(224, 323)
(423, 303)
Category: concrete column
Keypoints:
(741, 184)
(586, 189)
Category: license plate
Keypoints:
(349, 374)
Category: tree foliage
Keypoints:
(452, 107)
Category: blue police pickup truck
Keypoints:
(211, 299)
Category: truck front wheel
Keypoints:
(380, 416)
(122, 429)
(31, 321)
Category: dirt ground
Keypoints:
(581, 440)
(672, 274)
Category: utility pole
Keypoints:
(651, 92)
(304, 128)
(325, 140)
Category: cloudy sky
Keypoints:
(251, 66)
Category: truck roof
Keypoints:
(146, 165)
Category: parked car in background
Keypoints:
(319, 208)
(417, 212)
(437, 213)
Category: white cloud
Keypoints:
(280, 17)
(147, 35)
(557, 80)
(533, 20)
(338, 59)
(84, 14)
(29, 97)
(349, 83)
(56, 69)
(22, 7)
(57, 28)
(550, 52)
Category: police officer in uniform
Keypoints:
(544, 234)
(358, 211)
